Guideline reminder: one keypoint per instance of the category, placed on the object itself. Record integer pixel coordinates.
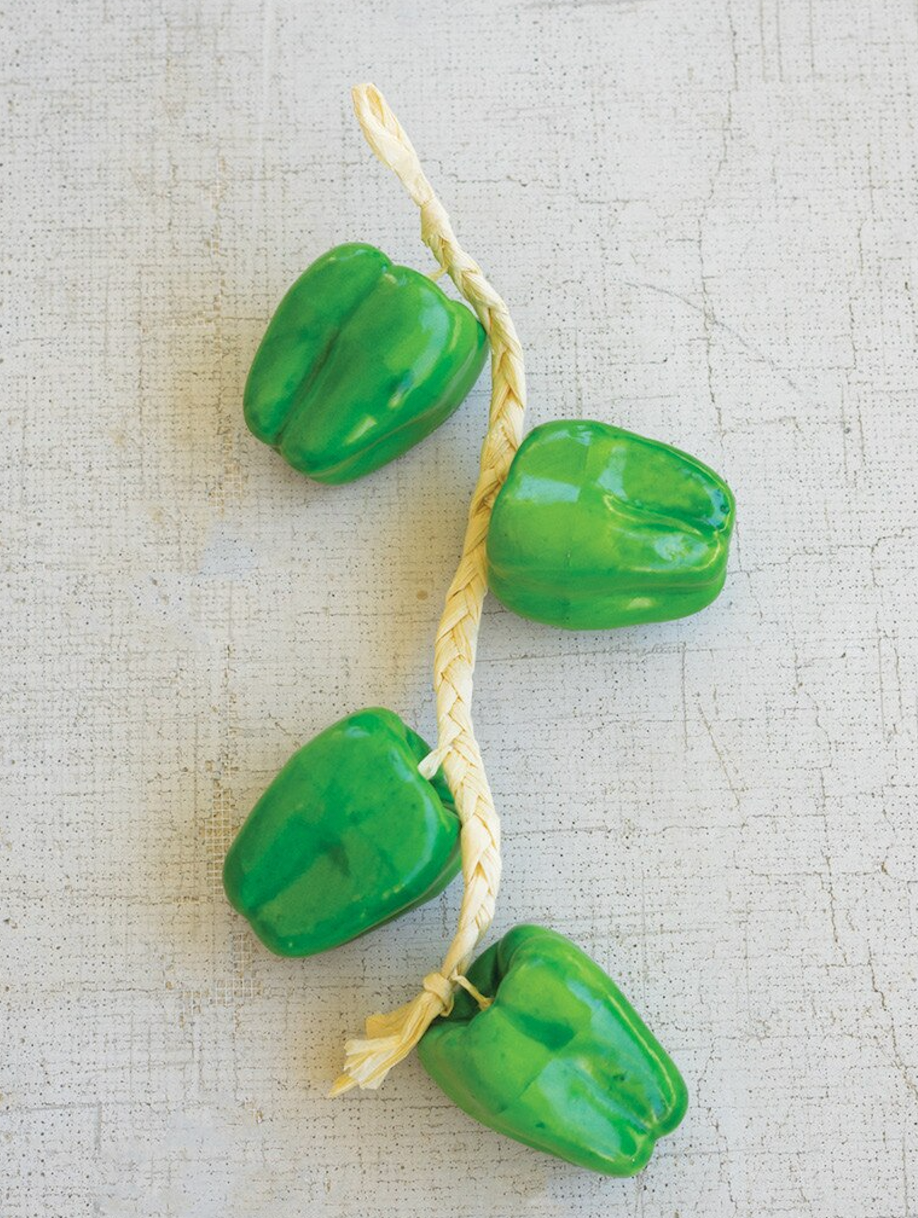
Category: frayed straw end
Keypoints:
(341, 1084)
(389, 1039)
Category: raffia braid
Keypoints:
(391, 1037)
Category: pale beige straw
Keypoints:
(391, 1037)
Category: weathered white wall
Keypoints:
(703, 214)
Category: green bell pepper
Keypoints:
(596, 527)
(361, 361)
(560, 1060)
(346, 837)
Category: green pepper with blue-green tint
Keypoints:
(597, 527)
(361, 360)
(346, 837)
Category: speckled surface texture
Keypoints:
(703, 214)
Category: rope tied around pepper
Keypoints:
(390, 1038)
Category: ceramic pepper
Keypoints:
(559, 1060)
(361, 360)
(346, 837)
(597, 527)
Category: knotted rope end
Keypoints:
(390, 1038)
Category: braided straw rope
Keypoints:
(391, 1037)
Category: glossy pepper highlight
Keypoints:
(597, 527)
(346, 837)
(560, 1060)
(361, 360)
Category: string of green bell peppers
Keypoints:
(594, 528)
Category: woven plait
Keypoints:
(391, 1037)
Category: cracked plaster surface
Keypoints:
(703, 215)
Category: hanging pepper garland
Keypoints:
(584, 526)
(391, 1037)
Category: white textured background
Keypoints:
(704, 216)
